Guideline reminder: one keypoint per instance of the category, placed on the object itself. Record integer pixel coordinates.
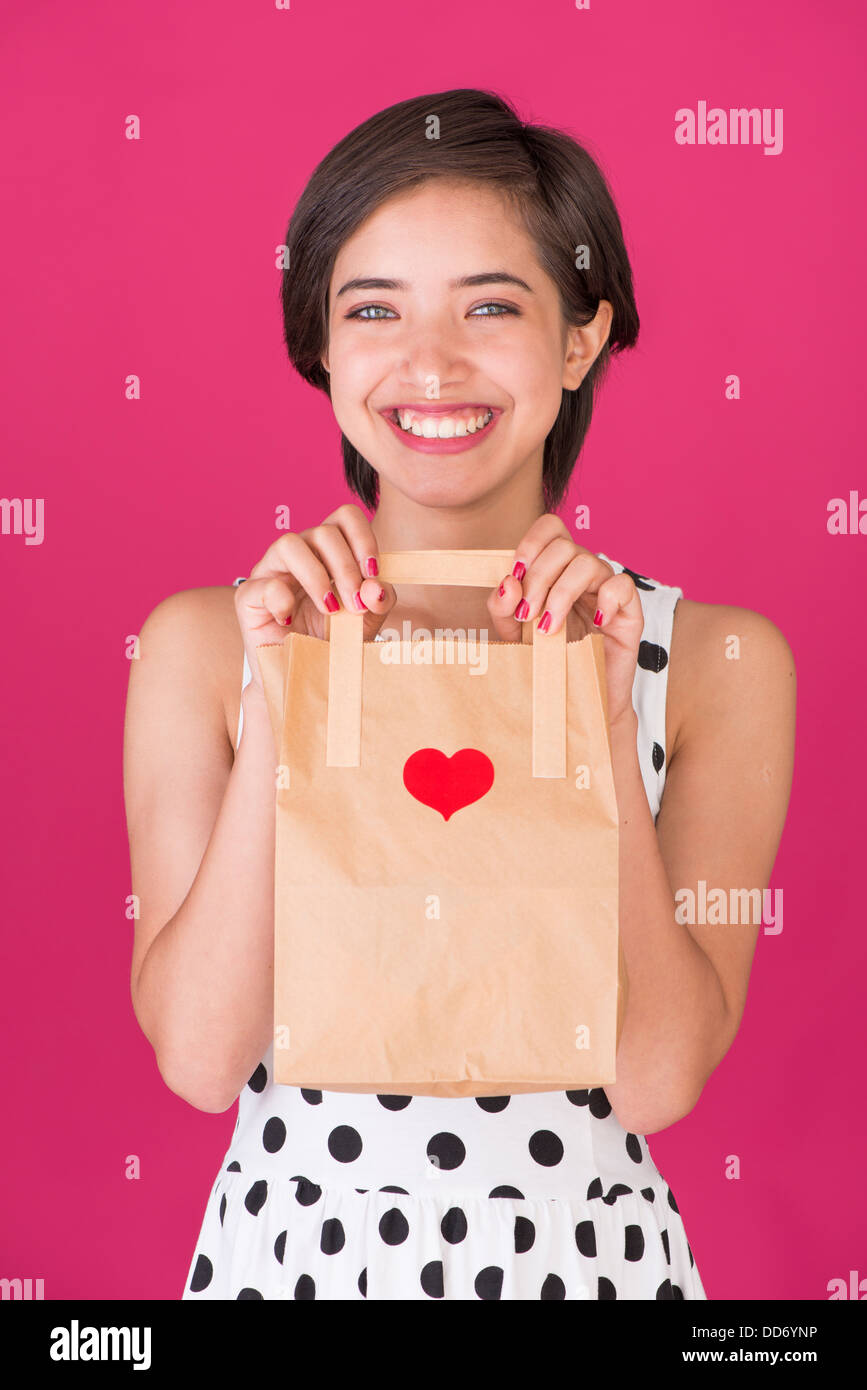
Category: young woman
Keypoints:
(457, 282)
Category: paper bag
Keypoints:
(446, 874)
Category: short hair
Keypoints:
(551, 179)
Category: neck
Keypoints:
(497, 521)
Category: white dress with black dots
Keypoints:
(538, 1196)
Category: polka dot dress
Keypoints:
(538, 1196)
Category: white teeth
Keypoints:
(442, 426)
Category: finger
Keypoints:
(290, 558)
(265, 601)
(552, 599)
(543, 573)
(545, 529)
(618, 597)
(359, 537)
(502, 603)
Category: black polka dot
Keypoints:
(595, 1189)
(274, 1135)
(546, 1148)
(617, 1189)
(361, 1189)
(668, 1291)
(525, 1234)
(255, 1198)
(259, 1080)
(362, 1282)
(454, 1226)
(311, 1097)
(393, 1226)
(332, 1237)
(553, 1288)
(222, 1208)
(665, 1247)
(394, 1102)
(432, 1279)
(446, 1150)
(691, 1260)
(488, 1283)
(634, 1243)
(249, 1293)
(600, 1105)
(649, 1193)
(493, 1104)
(657, 756)
(671, 1202)
(652, 657)
(305, 1288)
(578, 1097)
(344, 1143)
(606, 1288)
(639, 580)
(585, 1239)
(202, 1274)
(504, 1190)
(393, 1188)
(633, 1148)
(280, 1247)
(233, 1167)
(307, 1193)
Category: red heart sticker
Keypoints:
(447, 784)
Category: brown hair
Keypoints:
(555, 184)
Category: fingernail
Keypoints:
(522, 609)
(288, 620)
(359, 601)
(381, 595)
(501, 591)
(598, 619)
(520, 569)
(545, 621)
(372, 566)
(331, 602)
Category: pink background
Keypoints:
(156, 257)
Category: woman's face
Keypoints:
(475, 370)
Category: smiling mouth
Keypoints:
(440, 426)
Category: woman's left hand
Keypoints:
(554, 575)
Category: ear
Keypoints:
(583, 346)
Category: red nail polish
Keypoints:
(545, 621)
(381, 595)
(372, 566)
(501, 591)
(519, 570)
(359, 601)
(331, 602)
(598, 619)
(522, 609)
(288, 620)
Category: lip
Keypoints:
(454, 445)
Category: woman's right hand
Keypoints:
(286, 591)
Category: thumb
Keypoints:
(379, 598)
(501, 607)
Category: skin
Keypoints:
(721, 817)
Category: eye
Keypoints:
(493, 304)
(361, 313)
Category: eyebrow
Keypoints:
(485, 277)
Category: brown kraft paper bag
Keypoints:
(446, 873)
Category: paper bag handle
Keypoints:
(465, 568)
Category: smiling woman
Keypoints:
(458, 300)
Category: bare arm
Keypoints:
(201, 832)
(721, 819)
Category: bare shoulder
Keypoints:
(199, 626)
(725, 662)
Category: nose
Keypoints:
(432, 353)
